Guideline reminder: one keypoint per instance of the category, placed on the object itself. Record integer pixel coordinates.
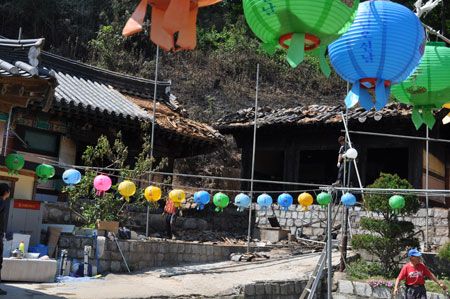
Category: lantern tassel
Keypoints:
(428, 118)
(416, 118)
(324, 67)
(134, 24)
(365, 100)
(296, 52)
(352, 97)
(380, 95)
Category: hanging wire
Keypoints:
(417, 192)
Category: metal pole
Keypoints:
(253, 160)
(7, 131)
(426, 195)
(329, 244)
(152, 140)
(398, 136)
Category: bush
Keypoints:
(362, 269)
(390, 236)
(444, 252)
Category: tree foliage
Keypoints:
(111, 159)
(390, 236)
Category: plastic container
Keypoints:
(41, 249)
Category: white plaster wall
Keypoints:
(67, 150)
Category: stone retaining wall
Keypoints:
(315, 219)
(145, 254)
(358, 290)
(279, 290)
(230, 220)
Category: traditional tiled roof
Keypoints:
(18, 56)
(305, 115)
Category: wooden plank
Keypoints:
(18, 101)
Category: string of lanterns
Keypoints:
(102, 184)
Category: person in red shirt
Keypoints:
(414, 274)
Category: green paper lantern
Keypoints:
(220, 201)
(324, 199)
(396, 203)
(428, 88)
(14, 163)
(45, 172)
(300, 25)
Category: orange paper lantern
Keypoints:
(169, 17)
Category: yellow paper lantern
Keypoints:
(177, 196)
(126, 189)
(305, 199)
(152, 193)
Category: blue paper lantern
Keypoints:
(242, 201)
(201, 198)
(71, 177)
(383, 47)
(348, 200)
(265, 201)
(285, 200)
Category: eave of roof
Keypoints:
(307, 115)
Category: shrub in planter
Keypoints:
(389, 236)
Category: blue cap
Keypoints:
(414, 252)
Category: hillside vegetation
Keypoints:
(217, 78)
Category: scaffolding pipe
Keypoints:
(398, 136)
(7, 128)
(153, 133)
(426, 195)
(253, 161)
(329, 247)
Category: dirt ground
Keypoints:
(221, 280)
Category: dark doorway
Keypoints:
(269, 165)
(388, 160)
(318, 166)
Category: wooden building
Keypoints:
(57, 106)
(300, 145)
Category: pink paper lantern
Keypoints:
(102, 183)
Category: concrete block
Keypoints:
(442, 231)
(298, 222)
(344, 296)
(284, 289)
(345, 287)
(363, 289)
(384, 293)
(260, 289)
(275, 289)
(124, 245)
(268, 289)
(289, 222)
(249, 290)
(115, 266)
(143, 265)
(105, 265)
(291, 288)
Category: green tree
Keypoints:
(111, 159)
(389, 236)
